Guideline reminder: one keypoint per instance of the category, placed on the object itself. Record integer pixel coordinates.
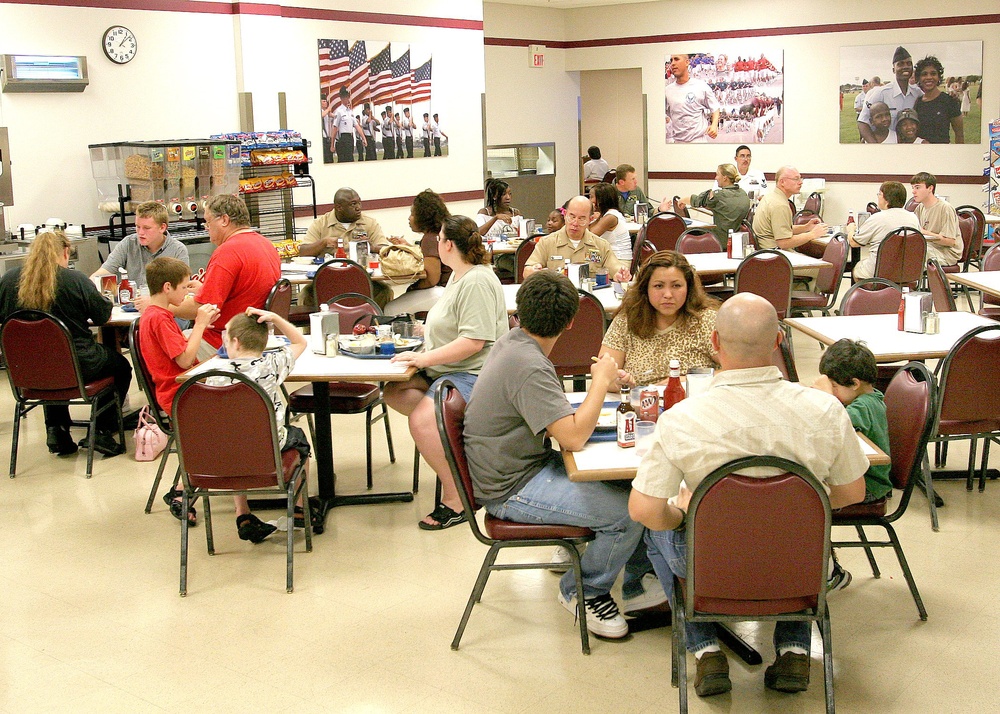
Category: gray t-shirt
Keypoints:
(516, 397)
(134, 258)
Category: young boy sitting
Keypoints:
(245, 339)
(165, 349)
(847, 371)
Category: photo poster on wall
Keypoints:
(941, 104)
(375, 102)
(727, 97)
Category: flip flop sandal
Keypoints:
(445, 517)
(172, 499)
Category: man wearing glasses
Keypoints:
(772, 222)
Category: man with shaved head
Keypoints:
(575, 243)
(747, 410)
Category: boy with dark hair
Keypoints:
(517, 403)
(245, 340)
(165, 349)
(847, 371)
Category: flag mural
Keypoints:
(375, 102)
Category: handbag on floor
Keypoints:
(150, 441)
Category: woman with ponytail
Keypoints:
(460, 330)
(46, 283)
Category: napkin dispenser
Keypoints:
(740, 245)
(526, 228)
(321, 325)
(357, 250)
(915, 304)
(577, 272)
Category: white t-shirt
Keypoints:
(619, 237)
(689, 109)
(595, 169)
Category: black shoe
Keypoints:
(130, 421)
(253, 529)
(104, 443)
(59, 441)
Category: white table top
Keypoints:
(311, 367)
(988, 281)
(880, 333)
(605, 295)
(299, 274)
(121, 318)
(992, 218)
(719, 264)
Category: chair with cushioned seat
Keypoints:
(521, 256)
(902, 256)
(937, 283)
(827, 282)
(767, 273)
(680, 209)
(572, 352)
(662, 231)
(814, 204)
(449, 409)
(279, 300)
(350, 397)
(334, 277)
(43, 369)
(909, 406)
(757, 549)
(702, 240)
(874, 296)
(224, 456)
(989, 306)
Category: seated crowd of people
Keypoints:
(516, 401)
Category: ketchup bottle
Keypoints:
(674, 391)
(125, 292)
(729, 245)
(341, 253)
(902, 309)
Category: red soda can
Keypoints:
(649, 404)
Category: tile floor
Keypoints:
(90, 618)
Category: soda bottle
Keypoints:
(902, 309)
(674, 391)
(625, 421)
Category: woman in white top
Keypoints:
(596, 168)
(610, 224)
(498, 212)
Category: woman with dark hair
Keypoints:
(427, 214)
(595, 168)
(498, 212)
(46, 283)
(610, 223)
(665, 316)
(461, 328)
(937, 110)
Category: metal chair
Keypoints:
(969, 398)
(43, 369)
(972, 224)
(334, 277)
(225, 456)
(813, 250)
(975, 253)
(662, 230)
(783, 359)
(874, 296)
(747, 227)
(449, 409)
(279, 300)
(698, 240)
(814, 204)
(901, 257)
(911, 205)
(572, 351)
(872, 208)
(145, 379)
(909, 406)
(757, 549)
(521, 257)
(349, 397)
(989, 306)
(767, 273)
(944, 301)
(827, 282)
(680, 209)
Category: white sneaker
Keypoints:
(603, 618)
(562, 559)
(652, 596)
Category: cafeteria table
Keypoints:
(987, 282)
(607, 296)
(321, 371)
(718, 264)
(299, 274)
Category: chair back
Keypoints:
(144, 377)
(901, 257)
(911, 205)
(572, 351)
(909, 409)
(758, 546)
(698, 240)
(974, 246)
(781, 357)
(814, 204)
(279, 300)
(747, 227)
(353, 308)
(991, 261)
(610, 177)
(872, 208)
(829, 279)
(40, 354)
(944, 301)
(521, 257)
(641, 253)
(680, 209)
(969, 391)
(873, 296)
(217, 450)
(339, 276)
(802, 217)
(767, 273)
(663, 230)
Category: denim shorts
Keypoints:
(464, 381)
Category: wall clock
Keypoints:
(119, 44)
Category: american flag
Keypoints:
(358, 82)
(380, 78)
(401, 79)
(333, 67)
(421, 88)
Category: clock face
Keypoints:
(119, 44)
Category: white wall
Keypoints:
(811, 81)
(187, 88)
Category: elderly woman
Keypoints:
(46, 283)
(427, 214)
(610, 224)
(728, 203)
(665, 316)
(460, 330)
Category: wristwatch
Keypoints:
(684, 517)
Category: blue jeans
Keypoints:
(550, 497)
(667, 550)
